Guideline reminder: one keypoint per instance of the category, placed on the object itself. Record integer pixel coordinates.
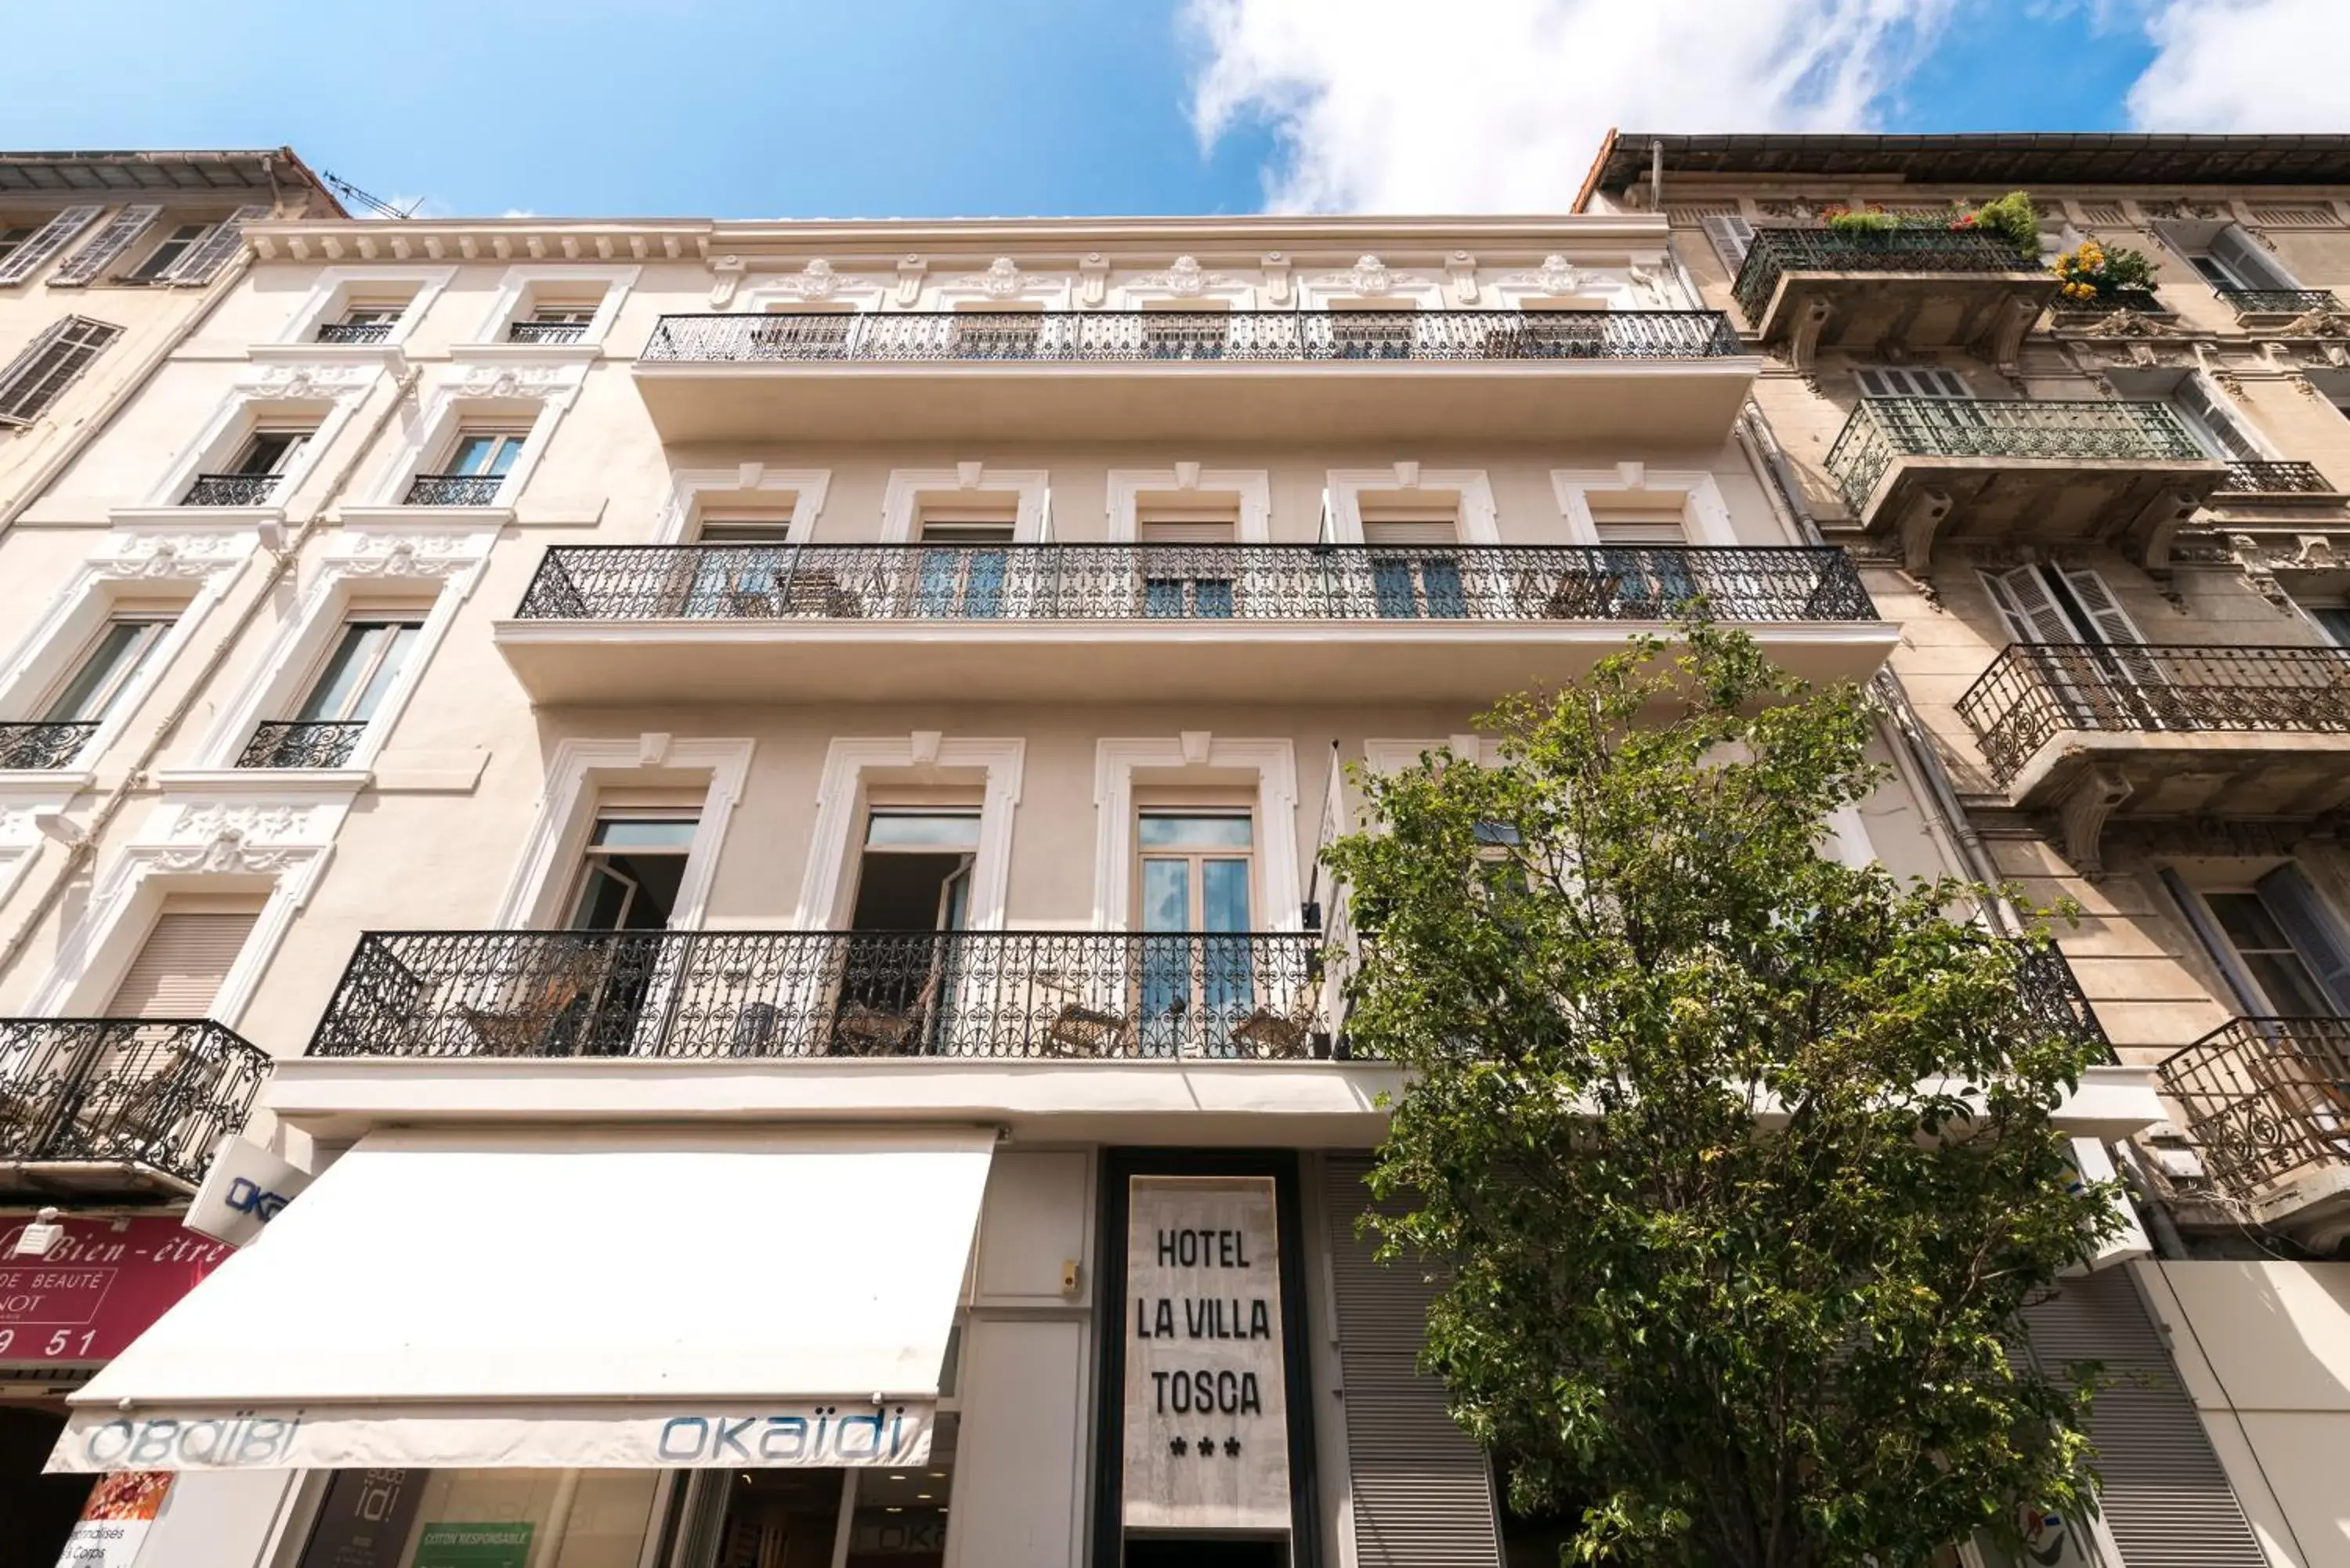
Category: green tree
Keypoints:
(1740, 1158)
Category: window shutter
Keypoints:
(2106, 619)
(180, 968)
(107, 243)
(1622, 524)
(207, 255)
(1730, 235)
(1911, 382)
(2165, 1496)
(2216, 945)
(1422, 1491)
(48, 365)
(2031, 611)
(2312, 929)
(2248, 260)
(28, 258)
(1419, 534)
(1179, 525)
(2205, 416)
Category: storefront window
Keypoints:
(484, 1519)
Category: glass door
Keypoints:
(1195, 892)
(963, 569)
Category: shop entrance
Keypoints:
(1204, 1552)
(40, 1510)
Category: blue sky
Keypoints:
(880, 107)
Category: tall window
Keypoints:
(1640, 536)
(736, 573)
(554, 321)
(115, 658)
(964, 558)
(167, 256)
(325, 730)
(187, 955)
(2055, 603)
(1187, 560)
(39, 376)
(2282, 949)
(897, 987)
(633, 869)
(1910, 381)
(484, 453)
(2219, 432)
(13, 238)
(1198, 877)
(1415, 568)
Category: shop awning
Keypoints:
(614, 1299)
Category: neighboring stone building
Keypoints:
(2110, 523)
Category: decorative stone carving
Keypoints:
(432, 554)
(1655, 290)
(1186, 279)
(728, 272)
(536, 383)
(2128, 322)
(2081, 816)
(1001, 280)
(2315, 324)
(158, 556)
(910, 273)
(237, 838)
(1370, 278)
(1278, 285)
(816, 281)
(1556, 275)
(332, 382)
(1093, 279)
(1461, 268)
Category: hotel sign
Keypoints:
(1207, 1422)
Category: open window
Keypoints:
(898, 966)
(2229, 260)
(256, 469)
(2283, 950)
(369, 318)
(53, 361)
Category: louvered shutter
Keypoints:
(2206, 417)
(1730, 235)
(2248, 261)
(2310, 925)
(2031, 611)
(28, 258)
(105, 245)
(48, 365)
(2164, 1499)
(1911, 382)
(2107, 621)
(1422, 1492)
(1412, 526)
(219, 242)
(1182, 525)
(180, 968)
(1639, 525)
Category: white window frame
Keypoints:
(275, 843)
(332, 295)
(1190, 760)
(901, 498)
(1471, 489)
(536, 396)
(518, 292)
(1253, 487)
(100, 589)
(1704, 513)
(327, 400)
(852, 765)
(577, 776)
(696, 491)
(363, 569)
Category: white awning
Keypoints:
(608, 1299)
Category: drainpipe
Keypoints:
(1914, 757)
(145, 372)
(283, 563)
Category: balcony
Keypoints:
(119, 1105)
(43, 745)
(1923, 469)
(2277, 305)
(546, 331)
(1074, 622)
(2275, 480)
(2092, 731)
(1239, 375)
(231, 490)
(1917, 288)
(2266, 1102)
(455, 490)
(348, 333)
(302, 744)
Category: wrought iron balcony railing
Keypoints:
(355, 332)
(455, 489)
(1056, 994)
(157, 1093)
(231, 490)
(2035, 690)
(1882, 430)
(1190, 583)
(43, 744)
(546, 331)
(2278, 301)
(302, 744)
(2265, 1099)
(1145, 336)
(2052, 993)
(2274, 479)
(2079, 313)
(1775, 252)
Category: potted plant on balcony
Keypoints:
(2012, 218)
(2090, 275)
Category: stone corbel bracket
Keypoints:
(1803, 346)
(2082, 814)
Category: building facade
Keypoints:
(758, 786)
(2107, 512)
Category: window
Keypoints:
(479, 460)
(963, 559)
(633, 867)
(1645, 582)
(169, 255)
(561, 322)
(251, 478)
(270, 452)
(1731, 235)
(13, 238)
(186, 959)
(2213, 424)
(2281, 949)
(2046, 604)
(24, 248)
(1196, 885)
(1185, 329)
(913, 882)
(325, 730)
(1911, 382)
(364, 321)
(108, 668)
(486, 452)
(2333, 620)
(1177, 581)
(44, 369)
(1415, 570)
(86, 264)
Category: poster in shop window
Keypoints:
(114, 1522)
(1207, 1422)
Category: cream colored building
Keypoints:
(2112, 532)
(760, 783)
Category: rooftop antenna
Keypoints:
(373, 206)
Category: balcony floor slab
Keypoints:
(2135, 503)
(1917, 311)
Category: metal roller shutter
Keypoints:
(180, 968)
(1423, 1495)
(2167, 1500)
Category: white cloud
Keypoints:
(1499, 105)
(2246, 66)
